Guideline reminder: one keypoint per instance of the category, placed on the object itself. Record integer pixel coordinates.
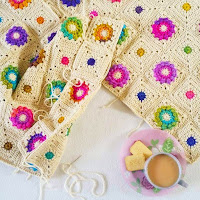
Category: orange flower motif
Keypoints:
(103, 32)
(19, 3)
(40, 20)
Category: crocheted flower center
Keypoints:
(117, 75)
(163, 28)
(72, 27)
(166, 117)
(12, 77)
(16, 35)
(57, 91)
(79, 93)
(23, 118)
(165, 72)
(37, 144)
(104, 33)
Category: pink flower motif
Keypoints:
(65, 61)
(115, 1)
(190, 94)
(165, 72)
(163, 29)
(93, 14)
(79, 91)
(146, 184)
(118, 76)
(22, 118)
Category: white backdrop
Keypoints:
(98, 136)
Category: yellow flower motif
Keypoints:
(61, 119)
(186, 6)
(140, 52)
(103, 32)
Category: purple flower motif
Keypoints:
(35, 141)
(118, 76)
(16, 36)
(71, 2)
(146, 184)
(165, 72)
(51, 36)
(163, 28)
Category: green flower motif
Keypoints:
(124, 34)
(10, 77)
(166, 117)
(54, 90)
(188, 50)
(72, 28)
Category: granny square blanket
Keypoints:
(56, 54)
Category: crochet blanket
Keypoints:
(54, 55)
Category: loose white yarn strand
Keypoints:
(135, 129)
(77, 178)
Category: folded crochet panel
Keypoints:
(39, 107)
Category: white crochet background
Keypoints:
(98, 136)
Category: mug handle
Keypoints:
(183, 183)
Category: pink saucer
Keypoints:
(155, 139)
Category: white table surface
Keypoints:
(98, 136)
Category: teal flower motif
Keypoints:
(54, 90)
(49, 155)
(10, 77)
(72, 28)
(124, 34)
(166, 117)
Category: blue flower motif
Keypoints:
(1, 19)
(141, 96)
(91, 61)
(71, 2)
(138, 9)
(191, 141)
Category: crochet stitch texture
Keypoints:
(62, 54)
